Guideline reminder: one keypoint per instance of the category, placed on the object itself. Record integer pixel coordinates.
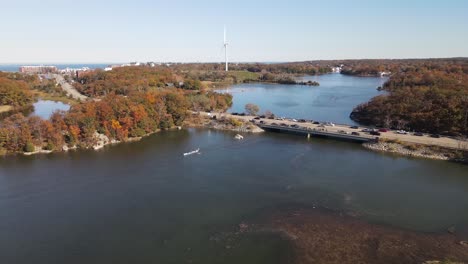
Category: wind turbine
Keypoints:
(225, 49)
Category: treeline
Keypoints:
(375, 67)
(427, 97)
(310, 68)
(124, 80)
(116, 116)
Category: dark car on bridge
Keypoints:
(375, 133)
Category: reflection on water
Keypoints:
(333, 100)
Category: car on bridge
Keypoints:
(355, 133)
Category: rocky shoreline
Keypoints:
(419, 151)
(227, 124)
(101, 140)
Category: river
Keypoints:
(144, 202)
(332, 101)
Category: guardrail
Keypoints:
(316, 132)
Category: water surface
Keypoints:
(144, 202)
(332, 101)
(45, 108)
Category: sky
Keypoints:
(85, 31)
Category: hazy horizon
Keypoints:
(220, 62)
(263, 31)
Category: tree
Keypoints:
(251, 109)
(269, 114)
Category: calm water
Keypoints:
(45, 108)
(332, 101)
(144, 202)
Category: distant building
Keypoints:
(385, 73)
(336, 69)
(38, 69)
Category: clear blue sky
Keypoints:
(258, 30)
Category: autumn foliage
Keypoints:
(428, 97)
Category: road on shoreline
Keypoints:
(390, 135)
(69, 89)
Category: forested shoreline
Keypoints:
(130, 102)
(124, 110)
(428, 97)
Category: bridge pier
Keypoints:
(308, 135)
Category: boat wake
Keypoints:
(197, 151)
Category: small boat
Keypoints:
(238, 136)
(192, 152)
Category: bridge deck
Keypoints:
(317, 132)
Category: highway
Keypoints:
(68, 88)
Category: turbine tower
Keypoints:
(225, 49)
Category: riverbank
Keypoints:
(100, 141)
(194, 120)
(417, 150)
